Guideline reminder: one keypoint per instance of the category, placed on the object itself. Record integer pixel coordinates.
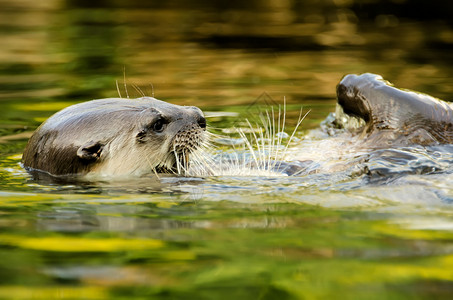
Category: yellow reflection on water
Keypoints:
(57, 292)
(80, 244)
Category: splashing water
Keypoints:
(260, 150)
(326, 156)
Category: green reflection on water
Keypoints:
(207, 249)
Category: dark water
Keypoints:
(314, 236)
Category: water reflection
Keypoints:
(81, 48)
(114, 218)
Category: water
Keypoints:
(317, 235)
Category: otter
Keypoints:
(395, 117)
(117, 136)
(145, 135)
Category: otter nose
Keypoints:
(202, 122)
(199, 117)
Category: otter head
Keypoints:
(169, 134)
(117, 137)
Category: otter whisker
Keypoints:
(152, 90)
(178, 167)
(152, 168)
(217, 137)
(265, 146)
(138, 89)
(202, 162)
(167, 163)
(185, 159)
(248, 144)
(124, 81)
(118, 89)
(270, 135)
(290, 139)
(280, 137)
(282, 129)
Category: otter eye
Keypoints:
(159, 125)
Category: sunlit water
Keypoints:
(357, 223)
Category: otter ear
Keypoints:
(90, 151)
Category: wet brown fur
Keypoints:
(393, 115)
